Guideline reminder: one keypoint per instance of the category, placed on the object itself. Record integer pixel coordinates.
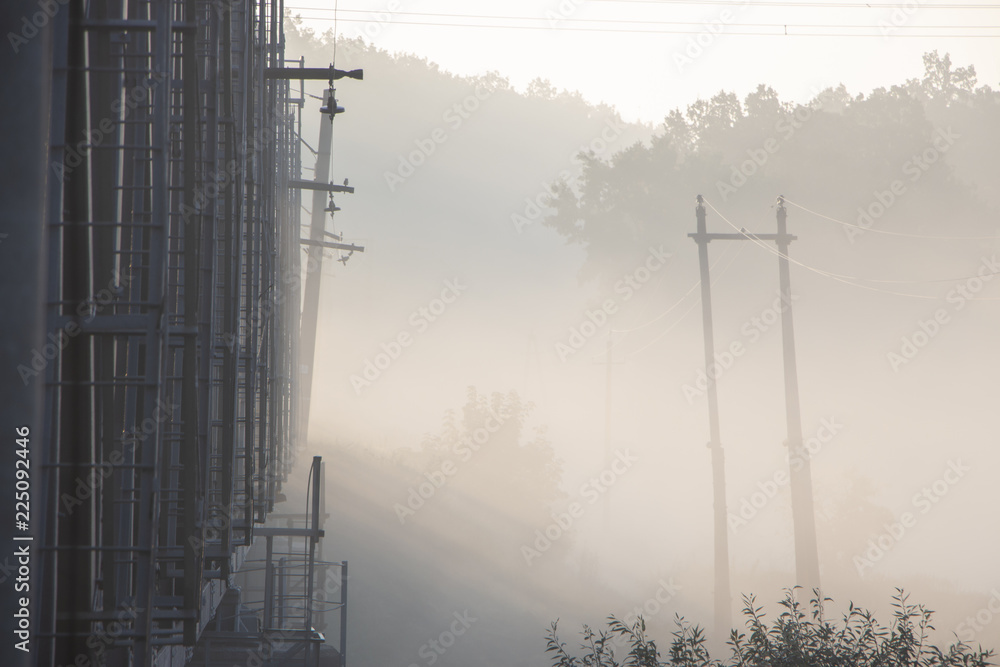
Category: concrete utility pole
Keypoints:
(800, 479)
(314, 275)
(317, 228)
(316, 242)
(608, 456)
(806, 557)
(607, 435)
(722, 593)
(607, 409)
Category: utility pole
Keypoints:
(607, 435)
(722, 592)
(806, 557)
(316, 242)
(608, 458)
(314, 274)
(800, 479)
(607, 408)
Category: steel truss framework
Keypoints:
(170, 413)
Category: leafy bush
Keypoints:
(792, 640)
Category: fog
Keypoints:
(481, 302)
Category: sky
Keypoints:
(647, 57)
(452, 219)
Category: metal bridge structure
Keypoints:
(157, 188)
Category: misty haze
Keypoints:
(599, 369)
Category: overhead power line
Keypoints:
(773, 3)
(892, 233)
(818, 5)
(781, 30)
(687, 312)
(815, 5)
(626, 332)
(849, 280)
(639, 21)
(673, 307)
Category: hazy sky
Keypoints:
(599, 47)
(897, 431)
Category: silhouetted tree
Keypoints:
(792, 640)
(833, 152)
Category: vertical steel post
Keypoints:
(191, 474)
(269, 585)
(316, 470)
(343, 613)
(281, 593)
(76, 395)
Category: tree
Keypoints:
(503, 480)
(792, 640)
(834, 152)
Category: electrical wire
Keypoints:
(640, 21)
(311, 149)
(671, 308)
(659, 317)
(848, 5)
(336, 6)
(663, 333)
(891, 233)
(315, 97)
(724, 3)
(692, 306)
(646, 309)
(844, 278)
(912, 282)
(785, 33)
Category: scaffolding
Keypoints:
(170, 415)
